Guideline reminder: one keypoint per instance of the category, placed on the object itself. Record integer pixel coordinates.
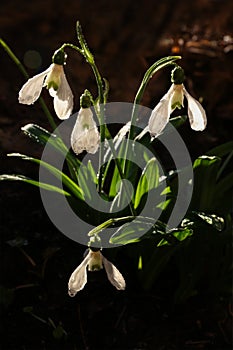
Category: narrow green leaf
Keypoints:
(108, 223)
(130, 233)
(224, 194)
(176, 235)
(66, 180)
(92, 172)
(148, 180)
(205, 177)
(83, 182)
(141, 227)
(34, 183)
(222, 150)
(178, 121)
(42, 136)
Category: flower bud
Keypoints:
(177, 75)
(59, 57)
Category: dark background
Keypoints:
(126, 37)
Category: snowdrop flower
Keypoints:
(173, 99)
(94, 261)
(85, 135)
(55, 80)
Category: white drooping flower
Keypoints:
(94, 261)
(173, 99)
(85, 135)
(55, 80)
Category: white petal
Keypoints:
(78, 279)
(85, 135)
(31, 90)
(196, 113)
(92, 141)
(160, 114)
(63, 99)
(114, 275)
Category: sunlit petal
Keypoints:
(78, 279)
(31, 90)
(85, 135)
(63, 98)
(114, 275)
(196, 113)
(160, 114)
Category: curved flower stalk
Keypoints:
(173, 99)
(94, 261)
(85, 135)
(55, 80)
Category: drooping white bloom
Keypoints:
(174, 98)
(55, 80)
(94, 261)
(85, 135)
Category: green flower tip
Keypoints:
(177, 75)
(177, 104)
(59, 57)
(52, 85)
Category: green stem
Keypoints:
(99, 109)
(100, 114)
(14, 58)
(162, 63)
(109, 222)
(47, 113)
(101, 99)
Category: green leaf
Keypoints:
(113, 175)
(178, 121)
(33, 182)
(43, 137)
(212, 219)
(148, 180)
(224, 194)
(123, 197)
(222, 150)
(182, 234)
(176, 235)
(92, 172)
(66, 180)
(112, 221)
(87, 180)
(130, 232)
(205, 177)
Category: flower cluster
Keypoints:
(85, 135)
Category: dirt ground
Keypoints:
(126, 37)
